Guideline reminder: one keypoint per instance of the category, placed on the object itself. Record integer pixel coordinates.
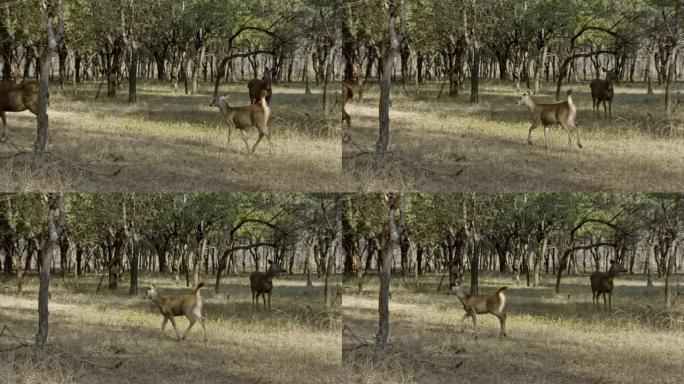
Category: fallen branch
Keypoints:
(370, 151)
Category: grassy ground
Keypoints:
(551, 338)
(432, 140)
(171, 142)
(91, 333)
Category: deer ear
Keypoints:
(270, 261)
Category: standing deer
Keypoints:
(262, 283)
(602, 91)
(188, 305)
(256, 87)
(17, 98)
(602, 283)
(546, 115)
(493, 303)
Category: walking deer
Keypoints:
(347, 95)
(17, 98)
(188, 305)
(493, 303)
(242, 118)
(563, 113)
(602, 283)
(262, 283)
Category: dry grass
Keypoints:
(171, 142)
(297, 342)
(551, 338)
(635, 151)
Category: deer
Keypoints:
(188, 305)
(347, 95)
(242, 118)
(602, 91)
(262, 283)
(17, 98)
(257, 86)
(602, 283)
(563, 113)
(493, 303)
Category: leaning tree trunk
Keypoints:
(53, 233)
(393, 234)
(55, 14)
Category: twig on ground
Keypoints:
(364, 150)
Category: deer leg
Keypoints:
(164, 324)
(261, 136)
(567, 130)
(173, 322)
(192, 323)
(231, 129)
(474, 323)
(263, 297)
(546, 133)
(253, 303)
(502, 321)
(529, 134)
(4, 126)
(577, 132)
(269, 301)
(605, 111)
(604, 300)
(244, 138)
(463, 321)
(204, 328)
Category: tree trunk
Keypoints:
(475, 77)
(133, 76)
(383, 143)
(53, 233)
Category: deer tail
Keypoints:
(501, 289)
(197, 288)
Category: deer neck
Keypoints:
(462, 297)
(530, 104)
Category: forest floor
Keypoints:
(116, 338)
(451, 145)
(551, 338)
(169, 142)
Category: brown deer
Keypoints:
(188, 305)
(493, 303)
(602, 283)
(347, 95)
(256, 87)
(262, 283)
(17, 98)
(255, 115)
(546, 115)
(602, 92)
